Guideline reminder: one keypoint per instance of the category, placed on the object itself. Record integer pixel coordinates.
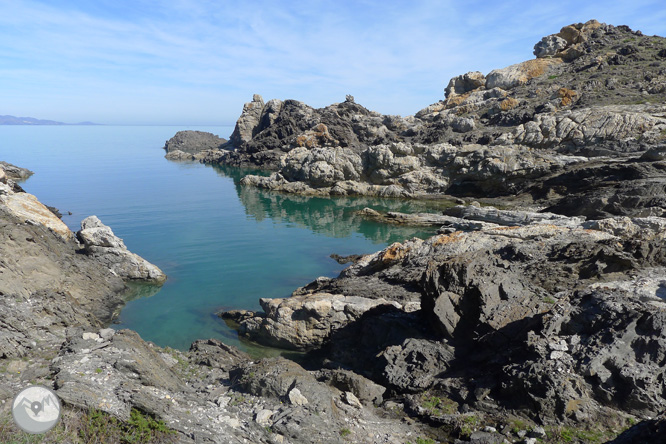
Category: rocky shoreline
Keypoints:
(511, 325)
(580, 130)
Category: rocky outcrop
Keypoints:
(99, 242)
(192, 145)
(14, 172)
(568, 44)
(28, 209)
(575, 308)
(593, 92)
(520, 73)
(304, 322)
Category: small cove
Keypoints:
(222, 245)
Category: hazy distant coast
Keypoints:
(13, 120)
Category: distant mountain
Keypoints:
(13, 120)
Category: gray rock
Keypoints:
(248, 122)
(100, 242)
(413, 365)
(14, 172)
(190, 143)
(464, 83)
(549, 46)
(304, 322)
(366, 391)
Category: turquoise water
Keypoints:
(222, 245)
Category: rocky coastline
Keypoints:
(539, 319)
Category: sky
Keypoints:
(196, 62)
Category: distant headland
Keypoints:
(13, 120)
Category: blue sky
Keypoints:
(189, 62)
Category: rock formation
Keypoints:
(192, 145)
(592, 101)
(510, 325)
(99, 242)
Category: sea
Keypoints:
(222, 245)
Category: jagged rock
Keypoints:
(191, 142)
(248, 121)
(645, 432)
(414, 364)
(523, 107)
(627, 188)
(100, 242)
(304, 322)
(549, 46)
(130, 356)
(465, 83)
(567, 43)
(516, 288)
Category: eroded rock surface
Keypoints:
(575, 309)
(100, 242)
(594, 94)
(192, 145)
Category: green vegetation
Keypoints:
(420, 440)
(140, 429)
(517, 425)
(574, 435)
(345, 432)
(468, 425)
(439, 406)
(552, 77)
(91, 427)
(549, 300)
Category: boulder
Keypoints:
(520, 73)
(304, 322)
(99, 242)
(464, 83)
(28, 209)
(549, 46)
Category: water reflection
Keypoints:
(334, 217)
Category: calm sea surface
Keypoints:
(222, 245)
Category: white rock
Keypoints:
(352, 400)
(297, 398)
(263, 417)
(90, 336)
(107, 333)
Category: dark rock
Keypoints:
(368, 392)
(645, 432)
(214, 353)
(193, 142)
(353, 258)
